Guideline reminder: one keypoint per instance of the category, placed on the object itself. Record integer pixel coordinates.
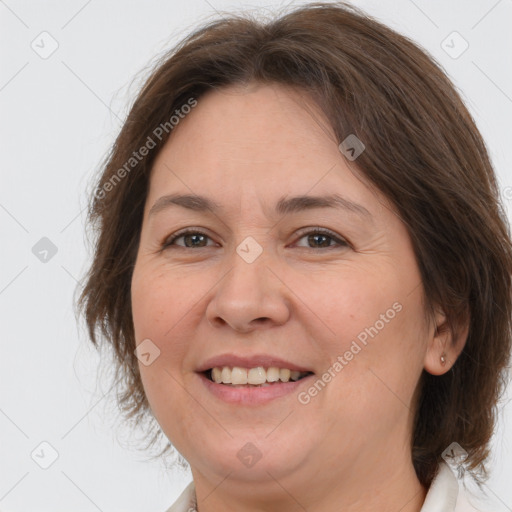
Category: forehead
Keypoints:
(271, 120)
(259, 141)
(250, 133)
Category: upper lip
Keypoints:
(264, 360)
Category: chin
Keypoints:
(253, 460)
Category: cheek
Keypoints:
(352, 304)
(384, 373)
(159, 301)
(378, 343)
(166, 308)
(157, 307)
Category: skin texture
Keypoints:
(303, 299)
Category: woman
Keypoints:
(303, 268)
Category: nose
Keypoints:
(249, 296)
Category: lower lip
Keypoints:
(251, 395)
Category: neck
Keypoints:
(385, 487)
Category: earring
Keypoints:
(443, 359)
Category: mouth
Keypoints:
(253, 379)
(238, 377)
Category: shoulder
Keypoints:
(464, 504)
(186, 501)
(447, 494)
(470, 502)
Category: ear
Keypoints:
(443, 342)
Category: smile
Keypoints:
(248, 393)
(258, 376)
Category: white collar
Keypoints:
(443, 491)
(441, 497)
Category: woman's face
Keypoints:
(261, 281)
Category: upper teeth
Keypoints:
(259, 375)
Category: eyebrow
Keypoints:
(283, 207)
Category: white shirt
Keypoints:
(444, 495)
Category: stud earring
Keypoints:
(443, 359)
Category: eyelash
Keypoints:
(317, 231)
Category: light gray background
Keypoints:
(58, 117)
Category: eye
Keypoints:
(321, 237)
(191, 237)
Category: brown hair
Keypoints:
(423, 151)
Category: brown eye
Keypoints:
(322, 238)
(319, 238)
(191, 239)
